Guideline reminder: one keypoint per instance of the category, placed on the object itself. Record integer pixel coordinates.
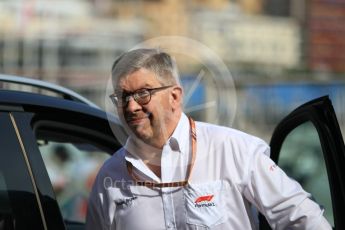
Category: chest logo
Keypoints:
(126, 202)
(204, 201)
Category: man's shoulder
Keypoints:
(114, 164)
(221, 130)
(223, 133)
(230, 143)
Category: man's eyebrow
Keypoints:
(145, 86)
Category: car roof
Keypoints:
(30, 101)
(64, 92)
(67, 100)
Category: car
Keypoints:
(53, 141)
(33, 126)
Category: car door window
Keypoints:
(301, 157)
(72, 168)
(308, 145)
(72, 155)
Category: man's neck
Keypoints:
(147, 152)
(160, 139)
(151, 150)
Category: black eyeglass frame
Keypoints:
(124, 97)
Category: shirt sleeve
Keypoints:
(279, 198)
(96, 217)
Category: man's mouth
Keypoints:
(136, 120)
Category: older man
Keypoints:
(174, 173)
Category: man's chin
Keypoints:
(144, 139)
(140, 134)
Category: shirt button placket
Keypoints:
(168, 209)
(168, 206)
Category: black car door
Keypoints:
(72, 145)
(20, 201)
(50, 152)
(309, 147)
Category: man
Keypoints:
(174, 173)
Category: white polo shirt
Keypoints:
(232, 172)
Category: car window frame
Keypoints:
(61, 119)
(26, 195)
(50, 208)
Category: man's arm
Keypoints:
(96, 217)
(282, 200)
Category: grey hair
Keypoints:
(160, 63)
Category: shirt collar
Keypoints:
(179, 140)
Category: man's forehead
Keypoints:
(139, 78)
(123, 88)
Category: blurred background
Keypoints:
(281, 53)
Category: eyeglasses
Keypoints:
(141, 96)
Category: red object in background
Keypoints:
(326, 35)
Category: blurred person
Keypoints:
(174, 173)
(59, 168)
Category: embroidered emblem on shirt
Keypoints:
(126, 202)
(272, 167)
(204, 201)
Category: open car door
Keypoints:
(309, 147)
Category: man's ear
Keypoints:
(176, 97)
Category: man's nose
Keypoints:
(132, 105)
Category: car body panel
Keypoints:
(17, 189)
